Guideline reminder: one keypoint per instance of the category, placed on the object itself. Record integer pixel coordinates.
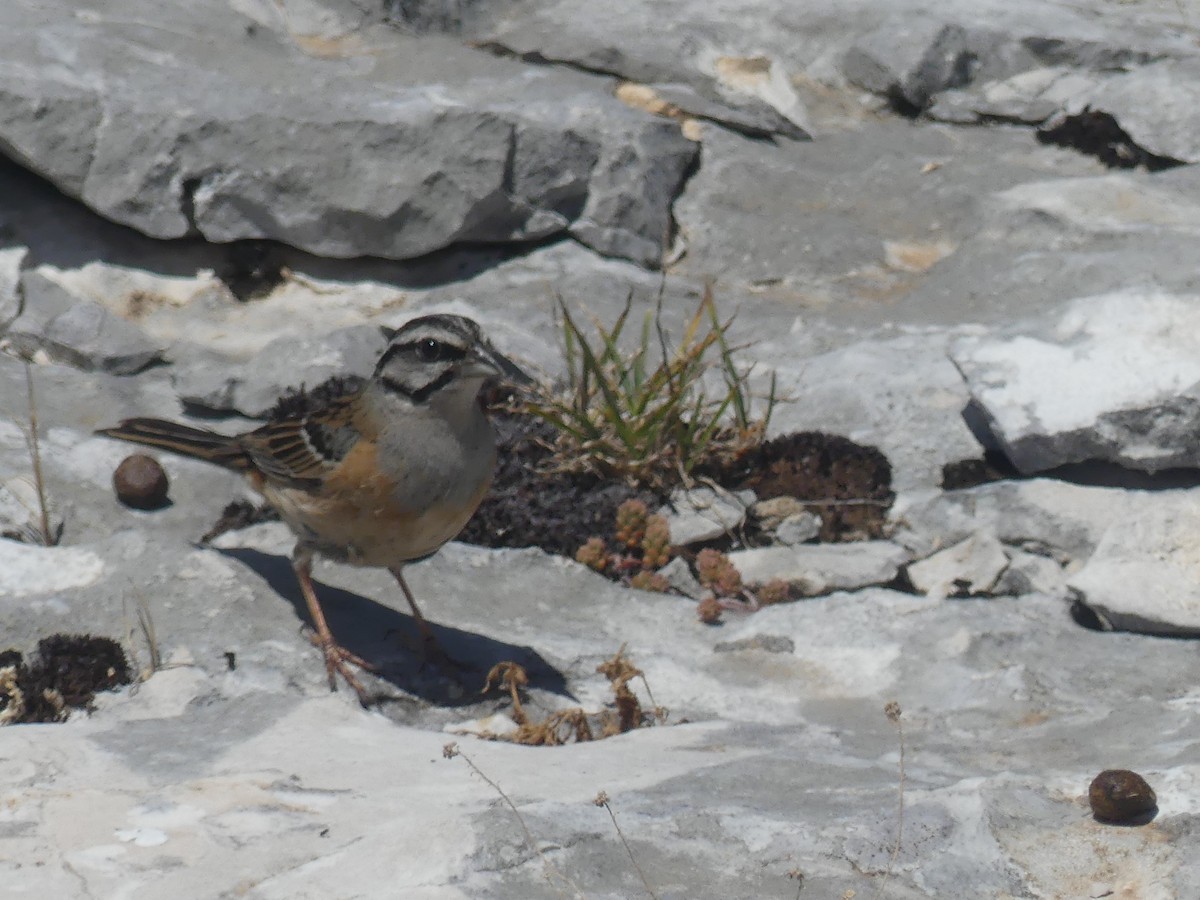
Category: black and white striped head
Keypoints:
(438, 354)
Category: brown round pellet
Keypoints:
(140, 482)
(1118, 795)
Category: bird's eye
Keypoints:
(430, 350)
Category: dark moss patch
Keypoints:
(848, 485)
(65, 673)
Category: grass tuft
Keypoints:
(646, 415)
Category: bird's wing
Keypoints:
(308, 434)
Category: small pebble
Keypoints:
(1118, 795)
(140, 482)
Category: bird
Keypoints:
(378, 471)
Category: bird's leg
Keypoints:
(337, 657)
(432, 648)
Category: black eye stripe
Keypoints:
(445, 351)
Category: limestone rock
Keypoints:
(702, 514)
(969, 568)
(1116, 378)
(1145, 573)
(820, 568)
(78, 331)
(410, 145)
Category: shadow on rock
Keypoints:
(390, 640)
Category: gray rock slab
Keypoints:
(78, 331)
(679, 575)
(930, 45)
(749, 115)
(1069, 518)
(969, 568)
(1080, 388)
(431, 145)
(821, 568)
(1155, 104)
(1143, 574)
(916, 60)
(276, 780)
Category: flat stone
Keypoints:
(820, 568)
(747, 114)
(702, 514)
(767, 643)
(1145, 573)
(680, 577)
(1079, 388)
(1031, 573)
(78, 331)
(798, 528)
(1067, 519)
(969, 568)
(1114, 204)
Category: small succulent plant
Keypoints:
(717, 573)
(642, 545)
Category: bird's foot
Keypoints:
(338, 661)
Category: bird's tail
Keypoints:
(185, 440)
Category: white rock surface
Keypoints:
(971, 567)
(1145, 573)
(1123, 203)
(1115, 378)
(821, 568)
(31, 570)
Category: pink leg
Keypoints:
(337, 658)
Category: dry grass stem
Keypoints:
(48, 538)
(892, 711)
(553, 874)
(602, 800)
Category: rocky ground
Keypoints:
(955, 234)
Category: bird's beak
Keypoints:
(491, 363)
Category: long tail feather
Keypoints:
(185, 440)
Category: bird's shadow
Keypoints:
(390, 640)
